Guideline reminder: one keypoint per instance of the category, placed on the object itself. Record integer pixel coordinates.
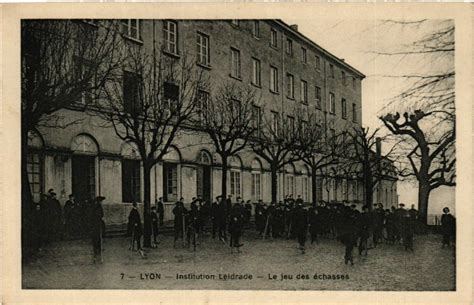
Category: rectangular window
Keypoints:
(256, 29)
(202, 100)
(275, 123)
(131, 94)
(354, 113)
(274, 38)
(332, 103)
(318, 63)
(131, 28)
(304, 57)
(170, 182)
(289, 46)
(290, 86)
(85, 72)
(290, 184)
(305, 188)
(235, 61)
(319, 189)
(291, 124)
(273, 79)
(304, 92)
(256, 72)
(318, 97)
(344, 108)
(256, 186)
(354, 82)
(131, 181)
(343, 76)
(171, 95)
(170, 33)
(331, 71)
(256, 116)
(35, 174)
(203, 49)
(235, 183)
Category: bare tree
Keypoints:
(61, 61)
(279, 142)
(230, 117)
(363, 155)
(431, 161)
(428, 103)
(149, 105)
(318, 149)
(64, 63)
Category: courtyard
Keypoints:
(268, 265)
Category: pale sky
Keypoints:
(355, 40)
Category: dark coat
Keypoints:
(134, 222)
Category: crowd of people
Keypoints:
(288, 219)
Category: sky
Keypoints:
(357, 41)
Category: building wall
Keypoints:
(58, 143)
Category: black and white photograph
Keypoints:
(275, 154)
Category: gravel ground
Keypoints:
(68, 265)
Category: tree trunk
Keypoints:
(146, 206)
(274, 174)
(423, 198)
(314, 187)
(224, 177)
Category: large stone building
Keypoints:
(285, 68)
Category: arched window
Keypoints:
(85, 150)
(256, 180)
(84, 144)
(289, 179)
(34, 164)
(204, 158)
(235, 176)
(131, 173)
(170, 175)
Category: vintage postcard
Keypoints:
(236, 153)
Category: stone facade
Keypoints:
(94, 156)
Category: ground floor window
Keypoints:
(83, 177)
(235, 183)
(131, 181)
(305, 188)
(319, 188)
(35, 174)
(170, 181)
(256, 186)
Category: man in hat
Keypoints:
(364, 224)
(179, 212)
(378, 219)
(160, 210)
(135, 227)
(154, 226)
(400, 215)
(236, 219)
(300, 224)
(96, 228)
(54, 213)
(70, 212)
(448, 227)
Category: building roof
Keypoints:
(319, 48)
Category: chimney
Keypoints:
(378, 147)
(294, 27)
